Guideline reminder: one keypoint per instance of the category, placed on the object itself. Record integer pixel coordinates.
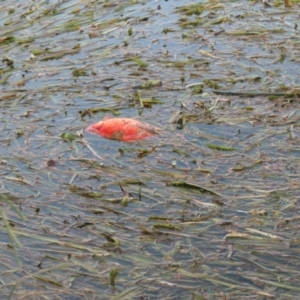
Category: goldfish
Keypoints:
(122, 129)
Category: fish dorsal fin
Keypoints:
(107, 117)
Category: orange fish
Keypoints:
(122, 129)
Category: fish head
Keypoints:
(94, 127)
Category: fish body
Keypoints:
(122, 129)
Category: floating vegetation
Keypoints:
(220, 147)
(79, 72)
(139, 62)
(206, 207)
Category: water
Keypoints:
(184, 208)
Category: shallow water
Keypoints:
(192, 220)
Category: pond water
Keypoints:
(206, 209)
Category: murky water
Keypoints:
(203, 211)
